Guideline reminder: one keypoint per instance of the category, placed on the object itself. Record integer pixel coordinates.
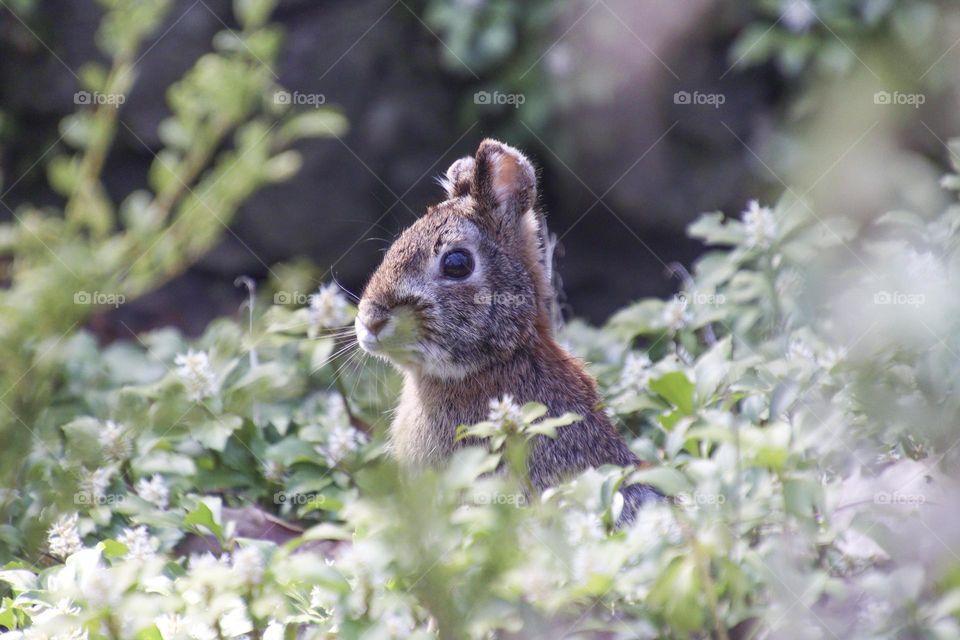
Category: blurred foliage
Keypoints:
(798, 402)
(226, 136)
(829, 36)
(508, 48)
(797, 399)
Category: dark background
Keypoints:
(623, 172)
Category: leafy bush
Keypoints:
(801, 417)
(226, 137)
(796, 400)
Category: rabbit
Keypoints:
(461, 305)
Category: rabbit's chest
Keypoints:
(423, 432)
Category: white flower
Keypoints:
(154, 490)
(322, 599)
(832, 357)
(536, 581)
(760, 225)
(328, 308)
(248, 565)
(99, 588)
(140, 546)
(116, 445)
(342, 440)
(197, 374)
(235, 623)
(675, 315)
(800, 350)
(202, 631)
(49, 613)
(272, 471)
(63, 537)
(797, 15)
(636, 371)
(505, 411)
(94, 485)
(398, 624)
(583, 526)
(274, 631)
(202, 562)
(170, 625)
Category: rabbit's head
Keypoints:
(465, 285)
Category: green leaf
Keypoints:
(666, 479)
(311, 124)
(150, 633)
(253, 13)
(214, 433)
(548, 426)
(675, 388)
(202, 517)
(532, 410)
(113, 549)
(711, 369)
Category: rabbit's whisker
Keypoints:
(333, 356)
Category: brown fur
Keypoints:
(464, 352)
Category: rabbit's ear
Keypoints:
(504, 182)
(458, 178)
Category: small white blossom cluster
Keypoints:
(272, 471)
(115, 442)
(94, 484)
(197, 374)
(675, 315)
(636, 371)
(760, 225)
(328, 308)
(63, 537)
(505, 411)
(140, 546)
(798, 349)
(342, 440)
(154, 490)
(54, 617)
(583, 527)
(248, 566)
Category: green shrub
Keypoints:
(226, 136)
(805, 438)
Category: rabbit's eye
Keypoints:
(457, 264)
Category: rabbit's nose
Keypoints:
(369, 323)
(375, 325)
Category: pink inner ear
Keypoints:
(505, 177)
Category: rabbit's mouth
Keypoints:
(393, 335)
